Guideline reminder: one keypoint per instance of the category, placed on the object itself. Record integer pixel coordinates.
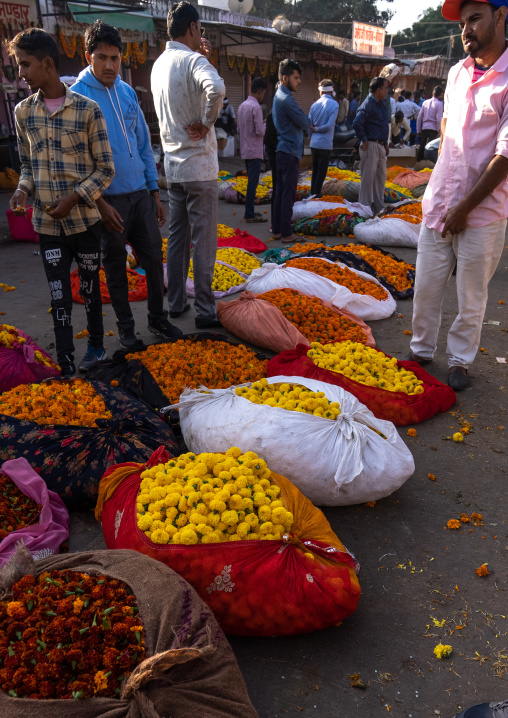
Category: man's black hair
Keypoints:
(356, 94)
(341, 92)
(288, 67)
(408, 94)
(99, 33)
(38, 43)
(399, 115)
(438, 90)
(180, 18)
(376, 83)
(257, 84)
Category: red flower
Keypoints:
(47, 689)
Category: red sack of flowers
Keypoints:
(120, 633)
(305, 582)
(40, 513)
(399, 408)
(22, 360)
(243, 240)
(137, 287)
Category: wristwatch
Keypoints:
(154, 191)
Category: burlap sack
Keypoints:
(190, 669)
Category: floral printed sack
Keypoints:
(189, 667)
(255, 588)
(395, 406)
(71, 459)
(44, 536)
(22, 360)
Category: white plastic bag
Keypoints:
(275, 276)
(310, 207)
(334, 463)
(388, 232)
(189, 284)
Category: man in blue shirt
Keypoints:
(322, 116)
(131, 210)
(371, 125)
(290, 122)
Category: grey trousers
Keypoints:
(373, 166)
(193, 208)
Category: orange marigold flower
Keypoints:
(412, 432)
(453, 524)
(431, 477)
(476, 517)
(16, 609)
(77, 606)
(392, 270)
(406, 331)
(482, 570)
(114, 382)
(370, 504)
(465, 519)
(339, 275)
(101, 681)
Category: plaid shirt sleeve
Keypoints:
(26, 177)
(92, 186)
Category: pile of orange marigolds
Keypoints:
(69, 403)
(314, 320)
(300, 248)
(339, 275)
(411, 213)
(131, 278)
(16, 510)
(331, 212)
(329, 198)
(389, 269)
(186, 363)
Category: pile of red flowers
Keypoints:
(68, 635)
(16, 509)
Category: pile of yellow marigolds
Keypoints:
(71, 403)
(240, 185)
(243, 261)
(211, 498)
(365, 365)
(291, 397)
(224, 231)
(223, 277)
(11, 339)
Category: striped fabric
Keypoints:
(62, 153)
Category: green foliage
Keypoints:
(426, 36)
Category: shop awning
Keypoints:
(82, 12)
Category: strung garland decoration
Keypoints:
(139, 54)
(230, 60)
(251, 65)
(240, 63)
(264, 66)
(68, 48)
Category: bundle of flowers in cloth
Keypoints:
(72, 431)
(283, 318)
(29, 513)
(325, 206)
(229, 237)
(393, 273)
(118, 632)
(331, 223)
(240, 259)
(256, 550)
(137, 287)
(347, 456)
(397, 391)
(397, 227)
(344, 288)
(237, 190)
(349, 188)
(203, 358)
(22, 360)
(226, 279)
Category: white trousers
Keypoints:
(477, 251)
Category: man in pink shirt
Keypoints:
(428, 124)
(465, 205)
(251, 129)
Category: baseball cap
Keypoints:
(451, 8)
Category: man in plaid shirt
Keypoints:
(66, 162)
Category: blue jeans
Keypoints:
(253, 170)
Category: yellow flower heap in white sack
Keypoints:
(211, 498)
(291, 397)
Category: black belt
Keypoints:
(380, 142)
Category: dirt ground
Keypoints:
(419, 586)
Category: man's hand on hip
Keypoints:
(455, 220)
(159, 210)
(387, 150)
(364, 145)
(111, 218)
(61, 207)
(197, 131)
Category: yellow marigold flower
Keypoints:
(101, 681)
(266, 528)
(181, 520)
(235, 537)
(454, 524)
(458, 436)
(260, 498)
(159, 536)
(252, 520)
(77, 606)
(188, 537)
(218, 505)
(234, 452)
(230, 518)
(145, 522)
(442, 651)
(264, 513)
(172, 499)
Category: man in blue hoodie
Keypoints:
(131, 210)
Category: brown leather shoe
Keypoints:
(458, 378)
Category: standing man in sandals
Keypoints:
(187, 93)
(251, 129)
(290, 121)
(131, 210)
(371, 125)
(465, 205)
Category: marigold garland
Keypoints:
(16, 509)
(70, 403)
(68, 635)
(312, 318)
(292, 397)
(340, 275)
(391, 270)
(68, 48)
(211, 498)
(366, 366)
(186, 363)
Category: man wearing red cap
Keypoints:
(465, 205)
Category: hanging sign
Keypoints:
(368, 39)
